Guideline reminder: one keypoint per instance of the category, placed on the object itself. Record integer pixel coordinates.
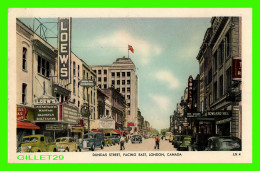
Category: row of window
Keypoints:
(218, 86)
(117, 81)
(74, 69)
(118, 74)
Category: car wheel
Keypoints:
(39, 151)
(93, 147)
(66, 150)
(54, 150)
(78, 150)
(102, 146)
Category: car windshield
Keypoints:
(228, 145)
(30, 140)
(115, 136)
(187, 139)
(62, 140)
(89, 136)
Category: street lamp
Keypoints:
(85, 108)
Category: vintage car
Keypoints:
(115, 139)
(93, 140)
(200, 142)
(108, 141)
(186, 144)
(177, 141)
(66, 144)
(136, 138)
(37, 143)
(223, 143)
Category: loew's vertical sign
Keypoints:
(64, 50)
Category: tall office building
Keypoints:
(121, 75)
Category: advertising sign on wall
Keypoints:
(237, 68)
(64, 49)
(46, 112)
(70, 114)
(21, 114)
(190, 87)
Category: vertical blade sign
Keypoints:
(64, 46)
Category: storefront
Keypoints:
(25, 125)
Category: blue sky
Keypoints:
(165, 51)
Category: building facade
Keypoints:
(118, 107)
(121, 75)
(222, 88)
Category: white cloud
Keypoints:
(168, 78)
(143, 50)
(161, 102)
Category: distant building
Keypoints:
(121, 75)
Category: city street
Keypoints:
(146, 145)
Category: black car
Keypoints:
(224, 143)
(136, 138)
(200, 142)
(93, 140)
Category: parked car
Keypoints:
(200, 142)
(93, 140)
(136, 138)
(177, 141)
(115, 139)
(37, 143)
(108, 141)
(66, 144)
(186, 144)
(223, 143)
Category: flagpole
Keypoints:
(128, 51)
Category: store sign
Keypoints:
(219, 113)
(193, 115)
(106, 124)
(64, 49)
(46, 101)
(87, 83)
(46, 112)
(70, 114)
(237, 68)
(21, 114)
(190, 87)
(53, 127)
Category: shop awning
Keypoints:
(126, 132)
(109, 131)
(27, 125)
(119, 132)
(130, 124)
(95, 130)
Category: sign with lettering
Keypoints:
(46, 112)
(106, 124)
(237, 68)
(190, 87)
(70, 114)
(87, 83)
(53, 127)
(21, 114)
(193, 115)
(219, 113)
(64, 49)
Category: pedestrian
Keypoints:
(122, 142)
(157, 141)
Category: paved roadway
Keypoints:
(146, 145)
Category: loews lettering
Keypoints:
(64, 48)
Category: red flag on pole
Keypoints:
(131, 48)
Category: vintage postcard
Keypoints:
(130, 85)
